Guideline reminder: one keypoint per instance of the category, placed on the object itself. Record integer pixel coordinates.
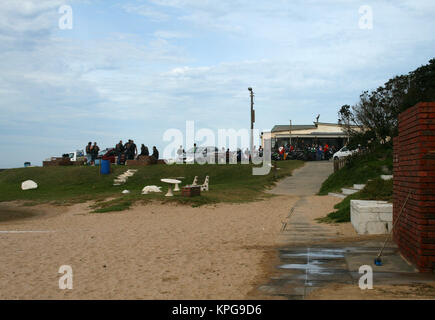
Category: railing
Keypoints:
(341, 162)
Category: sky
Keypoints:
(133, 69)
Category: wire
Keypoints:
(394, 225)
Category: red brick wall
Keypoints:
(414, 171)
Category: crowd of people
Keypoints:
(313, 152)
(129, 151)
(123, 152)
(220, 156)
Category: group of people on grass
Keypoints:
(128, 151)
(91, 152)
(223, 155)
(123, 152)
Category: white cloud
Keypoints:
(301, 58)
(165, 34)
(146, 11)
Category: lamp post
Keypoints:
(252, 121)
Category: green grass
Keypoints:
(359, 170)
(377, 189)
(66, 185)
(118, 204)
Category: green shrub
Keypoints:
(377, 189)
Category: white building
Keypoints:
(322, 133)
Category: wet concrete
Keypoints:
(303, 269)
(311, 256)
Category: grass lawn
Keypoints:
(360, 169)
(65, 185)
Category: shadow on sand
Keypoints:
(9, 214)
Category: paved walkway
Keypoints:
(306, 180)
(311, 258)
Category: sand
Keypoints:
(152, 251)
(415, 291)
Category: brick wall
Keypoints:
(414, 171)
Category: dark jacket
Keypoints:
(155, 154)
(144, 151)
(119, 148)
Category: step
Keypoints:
(338, 195)
(359, 186)
(386, 177)
(348, 191)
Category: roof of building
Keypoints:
(279, 128)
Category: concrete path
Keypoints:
(306, 180)
(312, 256)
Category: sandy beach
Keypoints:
(149, 252)
(153, 251)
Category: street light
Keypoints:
(252, 121)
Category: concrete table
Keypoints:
(177, 188)
(170, 182)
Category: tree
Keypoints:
(378, 111)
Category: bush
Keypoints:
(360, 168)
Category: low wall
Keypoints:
(371, 217)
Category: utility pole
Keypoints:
(290, 132)
(252, 122)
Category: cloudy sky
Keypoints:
(133, 68)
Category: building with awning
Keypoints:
(317, 133)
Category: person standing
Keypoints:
(126, 149)
(247, 154)
(194, 152)
(133, 150)
(180, 154)
(326, 151)
(155, 153)
(94, 152)
(319, 153)
(119, 149)
(89, 153)
(281, 152)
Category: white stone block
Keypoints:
(386, 177)
(371, 217)
(359, 186)
(386, 216)
(29, 185)
(338, 195)
(348, 191)
(376, 227)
